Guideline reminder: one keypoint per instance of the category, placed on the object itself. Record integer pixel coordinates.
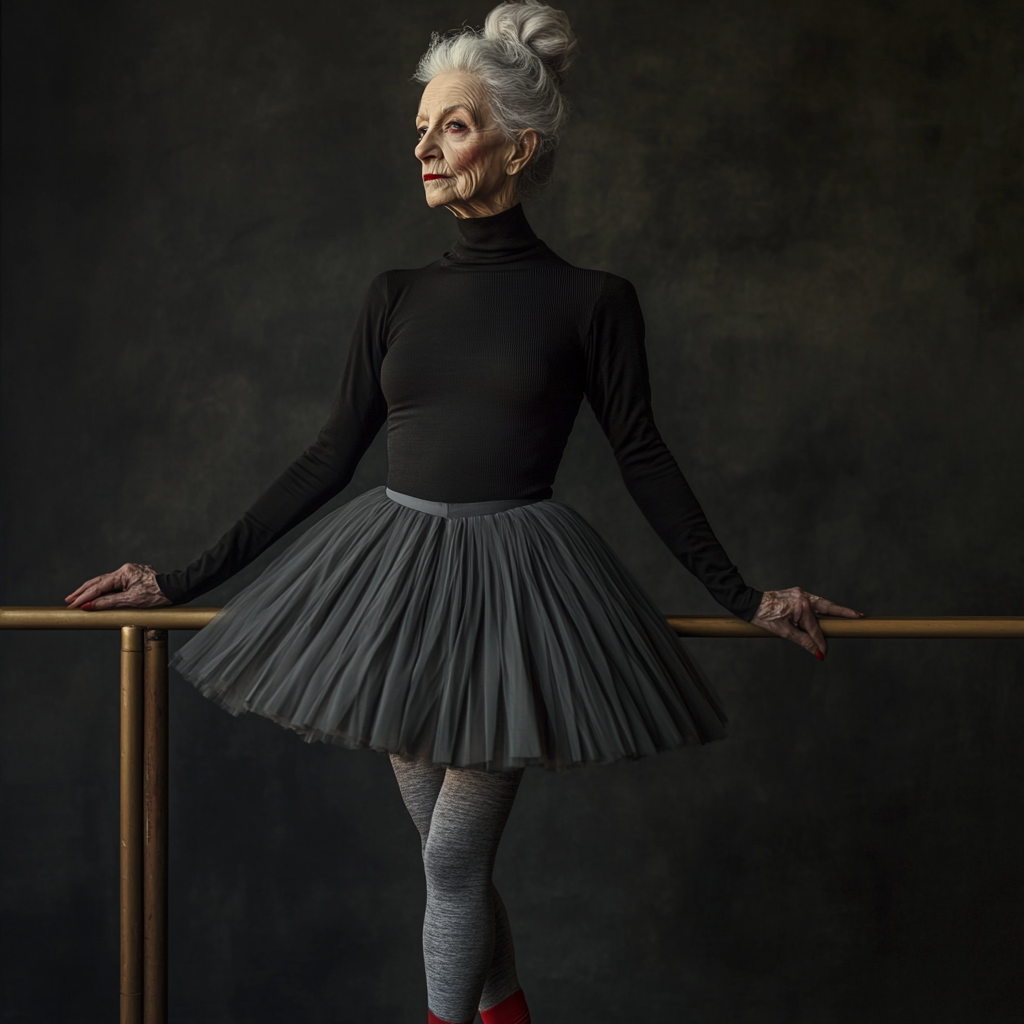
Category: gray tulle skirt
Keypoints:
(490, 641)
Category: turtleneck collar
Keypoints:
(501, 238)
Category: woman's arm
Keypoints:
(618, 388)
(619, 391)
(315, 477)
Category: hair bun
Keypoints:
(538, 28)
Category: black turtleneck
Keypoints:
(478, 363)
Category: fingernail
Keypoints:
(87, 607)
(819, 655)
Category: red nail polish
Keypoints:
(819, 655)
(87, 607)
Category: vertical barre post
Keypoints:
(154, 988)
(131, 825)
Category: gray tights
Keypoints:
(460, 814)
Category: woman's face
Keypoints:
(468, 164)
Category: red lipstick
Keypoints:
(433, 177)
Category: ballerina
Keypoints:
(459, 619)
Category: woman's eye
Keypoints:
(450, 126)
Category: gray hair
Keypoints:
(521, 56)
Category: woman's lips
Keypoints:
(433, 177)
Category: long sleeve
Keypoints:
(317, 475)
(618, 389)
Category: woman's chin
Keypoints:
(437, 196)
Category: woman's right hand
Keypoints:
(131, 586)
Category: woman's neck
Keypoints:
(498, 236)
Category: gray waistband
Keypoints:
(458, 509)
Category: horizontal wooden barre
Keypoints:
(893, 627)
(900, 627)
(115, 618)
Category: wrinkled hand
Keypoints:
(131, 586)
(794, 614)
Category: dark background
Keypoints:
(820, 206)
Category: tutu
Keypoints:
(491, 640)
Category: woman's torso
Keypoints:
(483, 374)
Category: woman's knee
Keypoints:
(452, 867)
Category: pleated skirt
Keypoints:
(490, 641)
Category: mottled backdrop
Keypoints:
(820, 207)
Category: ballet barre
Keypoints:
(897, 627)
(143, 841)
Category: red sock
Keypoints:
(512, 1010)
(432, 1018)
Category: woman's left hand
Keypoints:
(793, 614)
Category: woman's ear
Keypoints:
(525, 146)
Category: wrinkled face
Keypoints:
(468, 164)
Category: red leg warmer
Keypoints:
(512, 1010)
(432, 1018)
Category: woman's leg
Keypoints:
(420, 782)
(459, 928)
(467, 944)
(501, 980)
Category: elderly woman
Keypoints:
(459, 618)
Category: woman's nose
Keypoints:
(427, 148)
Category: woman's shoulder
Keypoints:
(606, 288)
(387, 284)
(608, 282)
(400, 275)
